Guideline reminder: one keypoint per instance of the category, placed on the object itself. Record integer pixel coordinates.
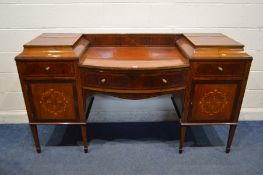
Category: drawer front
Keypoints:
(47, 68)
(136, 80)
(218, 69)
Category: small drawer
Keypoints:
(134, 80)
(205, 69)
(47, 68)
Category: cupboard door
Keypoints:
(53, 101)
(213, 102)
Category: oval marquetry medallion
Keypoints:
(54, 101)
(213, 102)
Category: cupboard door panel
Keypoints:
(53, 101)
(213, 102)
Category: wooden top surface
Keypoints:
(132, 50)
(54, 39)
(133, 57)
(211, 40)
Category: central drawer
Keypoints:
(133, 80)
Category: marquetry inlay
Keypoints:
(54, 101)
(213, 102)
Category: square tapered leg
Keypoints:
(182, 137)
(84, 137)
(35, 136)
(231, 134)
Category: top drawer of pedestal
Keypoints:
(47, 68)
(220, 69)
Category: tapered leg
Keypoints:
(176, 107)
(182, 137)
(84, 137)
(35, 136)
(231, 134)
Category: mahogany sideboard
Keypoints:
(61, 72)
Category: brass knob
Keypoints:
(164, 80)
(220, 68)
(47, 68)
(103, 80)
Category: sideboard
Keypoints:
(61, 72)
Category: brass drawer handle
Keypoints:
(47, 68)
(103, 80)
(220, 68)
(164, 80)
